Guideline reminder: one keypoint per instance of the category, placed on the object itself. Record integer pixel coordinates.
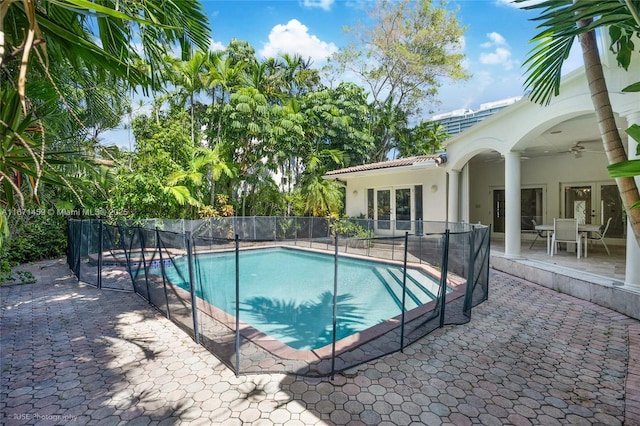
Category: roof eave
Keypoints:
(430, 164)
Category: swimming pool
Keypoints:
(287, 293)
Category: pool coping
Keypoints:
(284, 351)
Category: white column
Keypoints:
(454, 196)
(513, 204)
(464, 194)
(632, 271)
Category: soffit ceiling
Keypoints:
(562, 139)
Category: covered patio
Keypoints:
(530, 162)
(598, 266)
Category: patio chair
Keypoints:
(538, 233)
(599, 236)
(566, 231)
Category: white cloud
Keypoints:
(321, 4)
(512, 3)
(294, 38)
(501, 54)
(495, 39)
(215, 46)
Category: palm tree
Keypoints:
(87, 38)
(562, 21)
(264, 77)
(424, 139)
(298, 76)
(119, 45)
(388, 122)
(189, 78)
(220, 80)
(68, 33)
(435, 134)
(191, 177)
(320, 197)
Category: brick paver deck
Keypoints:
(72, 354)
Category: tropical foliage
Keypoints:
(424, 139)
(226, 133)
(259, 120)
(66, 68)
(403, 55)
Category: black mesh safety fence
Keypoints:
(74, 237)
(297, 295)
(114, 260)
(89, 244)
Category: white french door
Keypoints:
(594, 202)
(394, 210)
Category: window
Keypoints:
(417, 190)
(531, 208)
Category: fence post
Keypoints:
(79, 260)
(237, 306)
(100, 249)
(393, 245)
(127, 257)
(194, 309)
(69, 246)
(369, 237)
(234, 222)
(164, 279)
(443, 276)
(468, 295)
(335, 310)
(404, 291)
(488, 243)
(144, 263)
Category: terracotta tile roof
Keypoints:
(400, 162)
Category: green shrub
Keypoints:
(351, 227)
(34, 237)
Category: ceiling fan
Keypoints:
(578, 149)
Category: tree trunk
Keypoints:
(212, 190)
(606, 122)
(193, 134)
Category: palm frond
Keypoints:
(558, 22)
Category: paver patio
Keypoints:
(72, 354)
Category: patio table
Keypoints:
(583, 229)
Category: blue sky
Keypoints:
(496, 41)
(495, 44)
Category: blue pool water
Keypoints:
(288, 293)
